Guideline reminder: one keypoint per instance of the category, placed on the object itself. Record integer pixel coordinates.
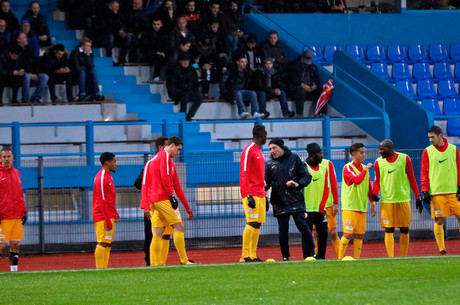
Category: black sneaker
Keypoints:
(266, 115)
(285, 259)
(99, 97)
(256, 259)
(246, 260)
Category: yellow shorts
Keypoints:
(395, 215)
(164, 214)
(102, 235)
(11, 229)
(168, 229)
(331, 221)
(258, 213)
(354, 222)
(445, 205)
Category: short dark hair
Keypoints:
(355, 147)
(174, 140)
(59, 47)
(14, 49)
(6, 148)
(272, 32)
(435, 129)
(106, 156)
(184, 41)
(258, 130)
(160, 141)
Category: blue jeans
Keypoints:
(87, 83)
(41, 82)
(262, 96)
(240, 95)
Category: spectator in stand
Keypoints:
(333, 6)
(5, 36)
(11, 71)
(182, 86)
(275, 6)
(232, 23)
(154, 44)
(270, 85)
(184, 46)
(192, 15)
(272, 48)
(32, 39)
(12, 23)
(55, 64)
(304, 83)
(33, 75)
(38, 24)
(219, 39)
(251, 52)
(212, 13)
(181, 31)
(84, 71)
(167, 14)
(239, 84)
(136, 20)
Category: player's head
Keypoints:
(276, 147)
(6, 157)
(358, 152)
(386, 148)
(108, 161)
(435, 136)
(315, 152)
(259, 134)
(174, 146)
(160, 143)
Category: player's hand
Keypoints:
(117, 218)
(373, 211)
(370, 165)
(426, 197)
(335, 209)
(174, 202)
(147, 215)
(292, 183)
(267, 205)
(251, 202)
(458, 194)
(24, 218)
(375, 198)
(419, 205)
(190, 215)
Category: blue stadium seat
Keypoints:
(455, 52)
(457, 72)
(356, 52)
(421, 70)
(317, 54)
(425, 88)
(396, 53)
(451, 106)
(438, 52)
(376, 53)
(406, 87)
(446, 88)
(442, 71)
(417, 52)
(401, 71)
(329, 51)
(381, 69)
(432, 105)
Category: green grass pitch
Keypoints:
(425, 280)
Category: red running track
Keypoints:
(208, 256)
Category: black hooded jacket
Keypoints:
(286, 200)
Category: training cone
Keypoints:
(270, 260)
(310, 258)
(348, 258)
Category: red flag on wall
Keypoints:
(324, 97)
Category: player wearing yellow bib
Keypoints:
(332, 205)
(440, 182)
(356, 190)
(394, 177)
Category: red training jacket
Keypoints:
(104, 198)
(252, 171)
(12, 204)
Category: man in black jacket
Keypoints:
(287, 175)
(38, 24)
(182, 85)
(11, 71)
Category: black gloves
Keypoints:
(24, 218)
(375, 198)
(419, 205)
(458, 194)
(267, 205)
(426, 197)
(174, 202)
(251, 202)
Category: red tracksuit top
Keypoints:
(252, 171)
(161, 180)
(12, 204)
(104, 198)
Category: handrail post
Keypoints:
(164, 128)
(16, 143)
(327, 137)
(258, 121)
(182, 135)
(41, 212)
(90, 143)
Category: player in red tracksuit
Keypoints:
(104, 212)
(252, 188)
(159, 185)
(13, 211)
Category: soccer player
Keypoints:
(159, 186)
(441, 182)
(13, 211)
(394, 177)
(104, 212)
(356, 189)
(252, 188)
